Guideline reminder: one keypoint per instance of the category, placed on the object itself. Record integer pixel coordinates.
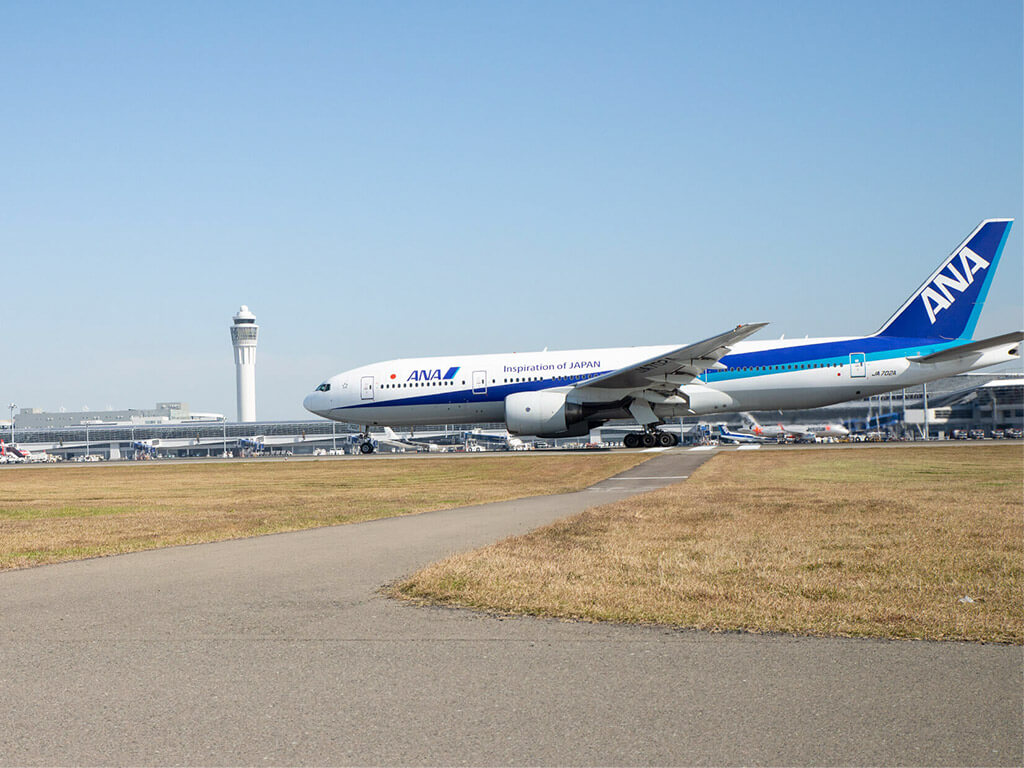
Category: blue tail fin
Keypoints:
(948, 303)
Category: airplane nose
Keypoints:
(310, 403)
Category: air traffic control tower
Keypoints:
(243, 337)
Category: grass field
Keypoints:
(54, 513)
(878, 543)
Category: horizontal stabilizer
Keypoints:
(974, 348)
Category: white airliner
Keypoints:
(392, 438)
(725, 435)
(12, 454)
(793, 430)
(565, 394)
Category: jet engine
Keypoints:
(544, 414)
(703, 399)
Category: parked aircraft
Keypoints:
(801, 431)
(12, 454)
(434, 441)
(409, 441)
(565, 394)
(728, 436)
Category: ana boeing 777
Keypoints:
(565, 394)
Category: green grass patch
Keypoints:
(56, 513)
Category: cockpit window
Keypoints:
(325, 387)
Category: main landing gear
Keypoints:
(650, 438)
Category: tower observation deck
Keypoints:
(244, 332)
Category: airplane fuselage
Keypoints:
(756, 375)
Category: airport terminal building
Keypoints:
(986, 401)
(163, 413)
(983, 401)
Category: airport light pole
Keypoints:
(12, 406)
(903, 413)
(924, 398)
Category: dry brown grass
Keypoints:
(879, 543)
(54, 513)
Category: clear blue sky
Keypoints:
(385, 179)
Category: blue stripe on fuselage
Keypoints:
(824, 353)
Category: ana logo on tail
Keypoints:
(948, 302)
(937, 296)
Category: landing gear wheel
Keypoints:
(666, 439)
(631, 440)
(649, 439)
(366, 447)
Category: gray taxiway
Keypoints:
(281, 650)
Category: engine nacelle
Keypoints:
(544, 414)
(704, 399)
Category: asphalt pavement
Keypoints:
(281, 650)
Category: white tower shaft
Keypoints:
(244, 333)
(245, 381)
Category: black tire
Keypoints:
(666, 439)
(649, 440)
(366, 448)
(631, 440)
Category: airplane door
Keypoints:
(479, 382)
(366, 390)
(858, 368)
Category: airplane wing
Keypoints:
(680, 366)
(973, 348)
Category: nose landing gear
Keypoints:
(366, 445)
